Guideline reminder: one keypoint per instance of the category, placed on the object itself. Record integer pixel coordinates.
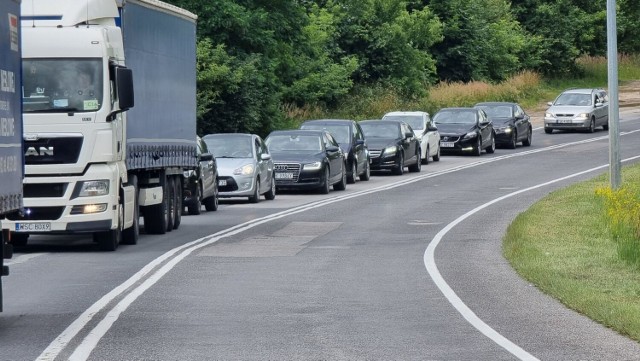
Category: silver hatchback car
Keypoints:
(245, 167)
(578, 109)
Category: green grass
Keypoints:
(563, 245)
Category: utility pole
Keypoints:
(614, 114)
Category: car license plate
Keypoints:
(564, 121)
(447, 144)
(287, 175)
(222, 182)
(33, 227)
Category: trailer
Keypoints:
(109, 102)
(11, 157)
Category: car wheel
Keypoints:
(513, 141)
(606, 126)
(255, 197)
(548, 130)
(366, 175)
(592, 126)
(436, 157)
(527, 142)
(324, 188)
(425, 160)
(342, 185)
(399, 168)
(271, 194)
(415, 168)
(352, 178)
(195, 206)
(211, 203)
(477, 150)
(492, 148)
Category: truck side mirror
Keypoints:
(124, 84)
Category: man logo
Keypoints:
(40, 152)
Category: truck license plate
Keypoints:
(33, 227)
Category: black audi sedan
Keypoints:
(307, 159)
(465, 130)
(392, 145)
(510, 123)
(351, 139)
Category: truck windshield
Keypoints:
(61, 85)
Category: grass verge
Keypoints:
(563, 245)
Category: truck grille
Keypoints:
(50, 190)
(53, 150)
(38, 214)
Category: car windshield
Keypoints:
(381, 130)
(230, 146)
(62, 85)
(455, 117)
(339, 131)
(497, 111)
(294, 143)
(573, 99)
(415, 121)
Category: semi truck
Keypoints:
(109, 109)
(11, 156)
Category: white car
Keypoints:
(424, 129)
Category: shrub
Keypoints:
(623, 213)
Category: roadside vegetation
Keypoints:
(581, 246)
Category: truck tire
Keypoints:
(178, 199)
(171, 203)
(155, 217)
(131, 234)
(109, 240)
(19, 239)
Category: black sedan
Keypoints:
(351, 139)
(510, 122)
(392, 145)
(307, 159)
(201, 184)
(465, 130)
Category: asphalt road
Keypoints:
(402, 268)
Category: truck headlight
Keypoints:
(244, 170)
(93, 188)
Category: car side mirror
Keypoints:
(520, 116)
(432, 128)
(265, 156)
(549, 103)
(359, 141)
(206, 157)
(599, 104)
(485, 122)
(408, 135)
(332, 148)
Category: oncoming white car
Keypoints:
(424, 129)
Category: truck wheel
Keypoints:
(131, 234)
(109, 240)
(177, 190)
(171, 204)
(155, 217)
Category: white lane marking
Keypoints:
(452, 297)
(59, 343)
(23, 258)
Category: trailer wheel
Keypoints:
(177, 190)
(171, 203)
(131, 234)
(155, 217)
(19, 239)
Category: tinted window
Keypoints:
(573, 99)
(455, 117)
(230, 146)
(294, 142)
(415, 121)
(381, 130)
(339, 131)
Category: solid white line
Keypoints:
(452, 297)
(59, 343)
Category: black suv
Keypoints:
(201, 184)
(350, 137)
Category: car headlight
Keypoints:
(549, 115)
(94, 188)
(470, 135)
(312, 166)
(582, 116)
(507, 130)
(390, 150)
(244, 170)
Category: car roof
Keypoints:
(581, 90)
(458, 109)
(298, 132)
(227, 134)
(406, 112)
(380, 121)
(495, 103)
(325, 121)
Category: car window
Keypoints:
(358, 132)
(294, 142)
(498, 111)
(339, 131)
(573, 99)
(263, 146)
(381, 130)
(230, 145)
(455, 117)
(258, 149)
